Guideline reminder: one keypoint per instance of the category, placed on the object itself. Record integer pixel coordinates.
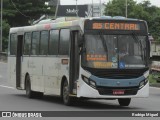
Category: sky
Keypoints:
(73, 2)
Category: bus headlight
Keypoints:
(143, 83)
(146, 81)
(89, 82)
(92, 83)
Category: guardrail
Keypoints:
(3, 56)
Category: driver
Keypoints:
(122, 51)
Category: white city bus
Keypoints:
(101, 57)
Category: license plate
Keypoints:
(118, 92)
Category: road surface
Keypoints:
(15, 100)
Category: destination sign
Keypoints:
(116, 26)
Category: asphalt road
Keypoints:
(15, 100)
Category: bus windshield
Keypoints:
(114, 51)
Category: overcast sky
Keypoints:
(72, 2)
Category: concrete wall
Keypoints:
(155, 49)
(3, 57)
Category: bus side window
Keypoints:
(27, 43)
(64, 42)
(35, 43)
(53, 43)
(13, 44)
(44, 43)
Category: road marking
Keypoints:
(3, 63)
(7, 87)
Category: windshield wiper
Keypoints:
(104, 44)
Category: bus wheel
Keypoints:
(29, 92)
(124, 101)
(65, 94)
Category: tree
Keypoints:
(20, 12)
(5, 29)
(143, 10)
(118, 7)
(153, 18)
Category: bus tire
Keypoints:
(29, 92)
(67, 100)
(124, 101)
(38, 95)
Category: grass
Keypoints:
(152, 80)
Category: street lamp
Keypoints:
(1, 26)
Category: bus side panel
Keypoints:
(64, 69)
(25, 69)
(51, 66)
(36, 67)
(12, 71)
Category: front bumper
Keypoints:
(84, 90)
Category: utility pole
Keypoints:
(126, 9)
(92, 8)
(1, 26)
(58, 2)
(100, 9)
(76, 8)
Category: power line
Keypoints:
(19, 10)
(1, 26)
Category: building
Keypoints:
(80, 10)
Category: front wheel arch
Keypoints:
(124, 101)
(64, 78)
(66, 98)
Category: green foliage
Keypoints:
(21, 13)
(117, 7)
(5, 30)
(152, 80)
(144, 11)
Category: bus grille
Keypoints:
(118, 73)
(129, 91)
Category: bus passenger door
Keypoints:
(18, 61)
(74, 62)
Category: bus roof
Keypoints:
(64, 22)
(115, 18)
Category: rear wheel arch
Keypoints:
(27, 74)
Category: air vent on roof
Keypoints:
(119, 17)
